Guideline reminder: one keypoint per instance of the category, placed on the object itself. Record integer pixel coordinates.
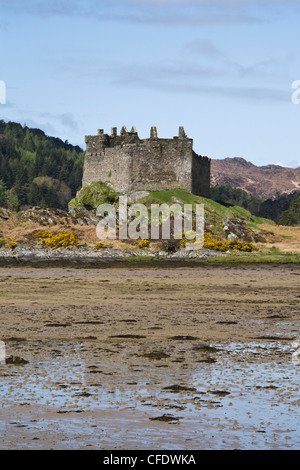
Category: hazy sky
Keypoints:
(222, 69)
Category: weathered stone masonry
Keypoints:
(131, 163)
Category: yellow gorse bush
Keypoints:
(61, 240)
(100, 245)
(219, 245)
(144, 243)
(191, 234)
(12, 244)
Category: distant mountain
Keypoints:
(262, 182)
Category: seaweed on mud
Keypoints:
(204, 347)
(179, 388)
(268, 387)
(70, 411)
(219, 393)
(207, 360)
(129, 320)
(274, 338)
(14, 338)
(166, 418)
(84, 394)
(128, 336)
(156, 355)
(16, 360)
(183, 338)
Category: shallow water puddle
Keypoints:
(234, 395)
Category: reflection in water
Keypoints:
(242, 388)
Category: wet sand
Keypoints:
(150, 358)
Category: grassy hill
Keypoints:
(97, 193)
(272, 242)
(214, 211)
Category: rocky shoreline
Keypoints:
(23, 253)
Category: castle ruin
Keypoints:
(131, 163)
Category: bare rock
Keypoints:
(4, 213)
(136, 196)
(44, 215)
(236, 228)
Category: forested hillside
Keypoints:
(284, 209)
(36, 169)
(292, 215)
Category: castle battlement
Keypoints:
(131, 163)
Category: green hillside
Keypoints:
(214, 211)
(98, 193)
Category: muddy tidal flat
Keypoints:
(177, 358)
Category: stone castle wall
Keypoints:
(131, 163)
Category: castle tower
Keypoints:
(153, 133)
(133, 130)
(130, 163)
(181, 133)
(123, 131)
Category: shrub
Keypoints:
(100, 245)
(144, 243)
(61, 240)
(97, 193)
(12, 244)
(219, 245)
(42, 234)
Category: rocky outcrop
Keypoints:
(234, 228)
(4, 213)
(237, 229)
(49, 216)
